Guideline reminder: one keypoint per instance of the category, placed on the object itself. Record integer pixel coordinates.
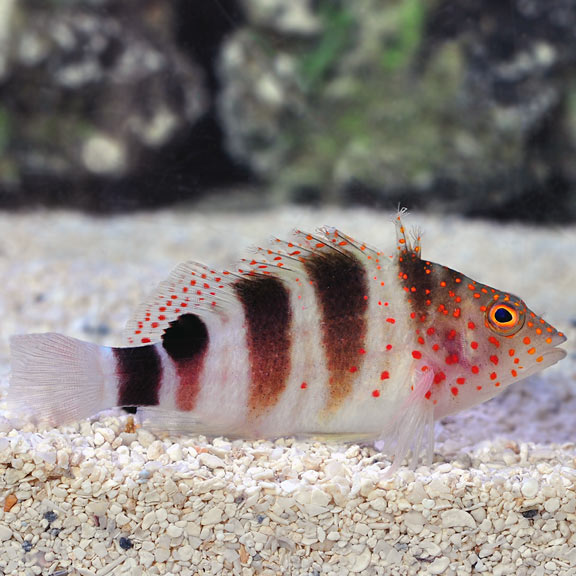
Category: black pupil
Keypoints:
(502, 315)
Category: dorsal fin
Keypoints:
(194, 288)
(404, 245)
(191, 288)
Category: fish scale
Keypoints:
(317, 335)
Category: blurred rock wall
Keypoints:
(466, 105)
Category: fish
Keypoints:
(320, 335)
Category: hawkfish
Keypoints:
(320, 335)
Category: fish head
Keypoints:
(476, 340)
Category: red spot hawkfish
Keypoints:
(318, 335)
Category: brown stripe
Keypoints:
(186, 342)
(342, 291)
(139, 372)
(266, 303)
(416, 276)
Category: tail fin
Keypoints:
(57, 378)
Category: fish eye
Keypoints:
(504, 319)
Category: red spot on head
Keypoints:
(430, 330)
(454, 391)
(376, 393)
(475, 369)
(439, 377)
(474, 345)
(303, 385)
(427, 395)
(385, 375)
(416, 354)
(145, 340)
(391, 320)
(494, 360)
(388, 346)
(451, 334)
(494, 341)
(493, 376)
(460, 380)
(353, 369)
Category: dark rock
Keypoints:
(91, 91)
(455, 104)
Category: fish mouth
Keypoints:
(553, 355)
(558, 338)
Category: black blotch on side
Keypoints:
(186, 337)
(139, 371)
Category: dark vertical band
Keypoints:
(342, 292)
(186, 342)
(416, 276)
(266, 303)
(139, 372)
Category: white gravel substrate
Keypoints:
(98, 498)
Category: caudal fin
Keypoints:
(56, 378)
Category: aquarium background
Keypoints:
(452, 105)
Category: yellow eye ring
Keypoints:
(505, 319)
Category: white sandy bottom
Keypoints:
(96, 499)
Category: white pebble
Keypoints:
(414, 521)
(155, 450)
(439, 565)
(457, 518)
(185, 552)
(211, 461)
(122, 519)
(146, 559)
(174, 531)
(551, 505)
(175, 453)
(5, 533)
(148, 520)
(211, 517)
(320, 498)
(530, 487)
(361, 562)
